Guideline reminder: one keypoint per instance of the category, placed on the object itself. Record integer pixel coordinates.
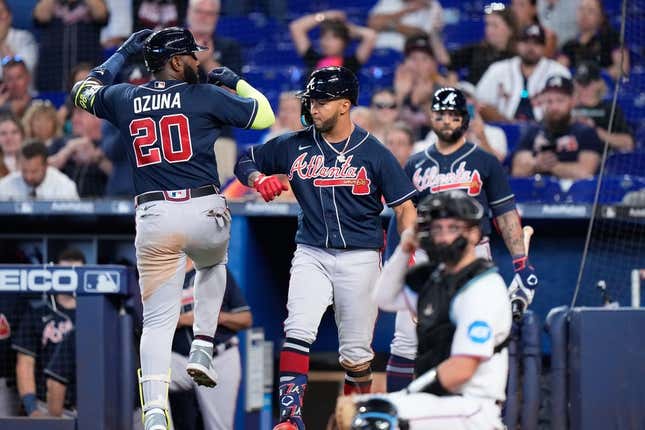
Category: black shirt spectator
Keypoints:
(598, 49)
(158, 14)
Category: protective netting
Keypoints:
(615, 250)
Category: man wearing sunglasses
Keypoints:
(15, 94)
(169, 126)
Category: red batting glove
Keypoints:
(269, 186)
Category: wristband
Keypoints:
(30, 403)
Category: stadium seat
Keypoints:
(612, 189)
(538, 189)
(626, 164)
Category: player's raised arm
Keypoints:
(264, 116)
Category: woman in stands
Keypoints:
(335, 35)
(596, 41)
(498, 44)
(41, 122)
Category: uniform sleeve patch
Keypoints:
(479, 332)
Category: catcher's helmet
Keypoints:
(377, 414)
(161, 45)
(449, 98)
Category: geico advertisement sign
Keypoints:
(60, 280)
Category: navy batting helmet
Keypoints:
(328, 83)
(449, 98)
(377, 414)
(161, 45)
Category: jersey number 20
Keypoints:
(144, 131)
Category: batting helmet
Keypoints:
(377, 414)
(328, 83)
(449, 98)
(161, 45)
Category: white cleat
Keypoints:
(200, 365)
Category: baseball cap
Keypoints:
(587, 72)
(535, 32)
(418, 43)
(559, 83)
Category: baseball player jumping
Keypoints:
(464, 326)
(339, 173)
(455, 164)
(169, 126)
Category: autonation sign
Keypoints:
(39, 279)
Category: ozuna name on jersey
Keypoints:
(344, 176)
(461, 179)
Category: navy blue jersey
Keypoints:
(566, 145)
(12, 307)
(170, 128)
(40, 330)
(470, 169)
(233, 302)
(62, 367)
(340, 197)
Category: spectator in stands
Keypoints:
(217, 405)
(15, 42)
(15, 95)
(362, 117)
(4, 171)
(415, 81)
(119, 26)
(558, 146)
(397, 20)
(559, 16)
(202, 17)
(336, 33)
(596, 41)
(490, 138)
(36, 180)
(158, 14)
(508, 90)
(11, 137)
(80, 156)
(384, 111)
(69, 33)
(593, 109)
(60, 370)
(471, 61)
(40, 122)
(400, 141)
(41, 329)
(525, 12)
(288, 116)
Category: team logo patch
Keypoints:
(5, 328)
(160, 85)
(344, 176)
(479, 332)
(460, 179)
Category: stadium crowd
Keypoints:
(538, 86)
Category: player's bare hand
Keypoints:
(269, 187)
(134, 44)
(223, 76)
(409, 241)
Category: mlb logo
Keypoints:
(102, 281)
(160, 85)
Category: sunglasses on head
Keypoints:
(494, 7)
(12, 59)
(385, 105)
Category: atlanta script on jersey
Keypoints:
(339, 194)
(470, 169)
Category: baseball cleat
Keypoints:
(155, 421)
(200, 365)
